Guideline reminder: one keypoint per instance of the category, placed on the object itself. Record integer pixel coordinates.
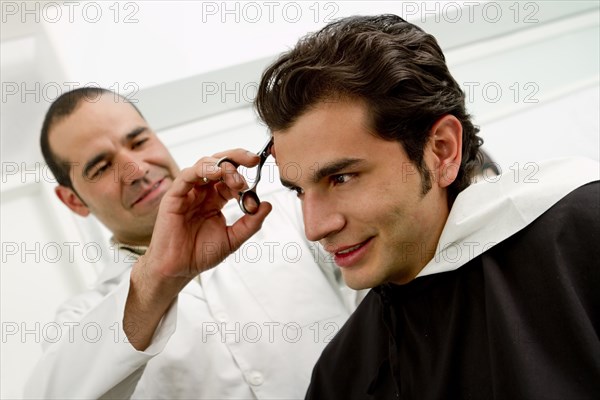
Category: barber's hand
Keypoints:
(189, 237)
(191, 234)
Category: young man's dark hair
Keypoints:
(491, 294)
(393, 65)
(62, 107)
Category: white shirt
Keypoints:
(253, 327)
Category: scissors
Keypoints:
(249, 200)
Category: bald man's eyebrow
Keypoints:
(134, 133)
(92, 163)
(104, 155)
(330, 168)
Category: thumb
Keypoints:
(248, 225)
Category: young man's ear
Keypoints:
(445, 144)
(72, 200)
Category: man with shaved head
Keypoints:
(172, 325)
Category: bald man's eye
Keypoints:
(100, 170)
(138, 143)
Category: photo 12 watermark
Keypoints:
(253, 12)
(489, 12)
(225, 332)
(70, 252)
(47, 92)
(52, 12)
(55, 252)
(268, 331)
(494, 92)
(228, 92)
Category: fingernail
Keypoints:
(251, 205)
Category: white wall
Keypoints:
(531, 70)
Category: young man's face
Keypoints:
(361, 196)
(119, 167)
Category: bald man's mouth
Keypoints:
(149, 193)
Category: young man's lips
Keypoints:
(346, 256)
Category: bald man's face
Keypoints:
(119, 168)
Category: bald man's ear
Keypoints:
(445, 143)
(72, 200)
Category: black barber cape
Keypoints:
(521, 320)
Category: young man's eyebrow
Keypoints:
(287, 183)
(334, 167)
(328, 169)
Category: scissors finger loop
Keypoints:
(226, 159)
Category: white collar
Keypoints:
(492, 210)
(122, 259)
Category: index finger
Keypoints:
(239, 156)
(196, 174)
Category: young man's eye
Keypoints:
(299, 192)
(341, 178)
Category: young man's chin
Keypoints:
(358, 280)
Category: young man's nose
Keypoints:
(321, 219)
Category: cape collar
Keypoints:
(492, 210)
